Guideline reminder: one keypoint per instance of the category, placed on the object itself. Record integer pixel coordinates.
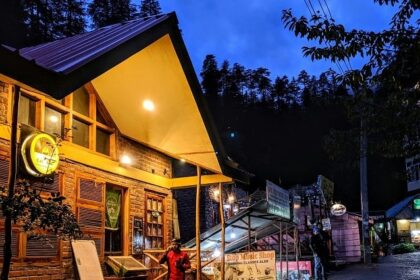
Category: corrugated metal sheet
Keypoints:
(397, 208)
(70, 53)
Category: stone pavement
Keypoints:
(404, 266)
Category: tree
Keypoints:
(73, 18)
(149, 8)
(106, 12)
(385, 88)
(210, 76)
(12, 28)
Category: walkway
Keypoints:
(405, 266)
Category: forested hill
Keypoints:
(293, 129)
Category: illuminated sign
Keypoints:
(338, 209)
(40, 154)
(416, 204)
(277, 200)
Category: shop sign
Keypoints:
(248, 265)
(277, 200)
(304, 272)
(338, 209)
(327, 187)
(40, 154)
(416, 204)
(326, 224)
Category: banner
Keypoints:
(277, 200)
(327, 187)
(290, 270)
(259, 265)
(113, 205)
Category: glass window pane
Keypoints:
(102, 142)
(81, 101)
(80, 133)
(26, 111)
(54, 122)
(99, 117)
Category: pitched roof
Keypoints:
(57, 68)
(397, 208)
(68, 54)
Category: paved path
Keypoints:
(404, 266)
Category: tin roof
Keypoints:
(67, 54)
(397, 208)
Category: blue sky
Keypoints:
(251, 32)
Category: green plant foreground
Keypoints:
(403, 248)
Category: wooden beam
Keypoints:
(188, 182)
(222, 223)
(197, 223)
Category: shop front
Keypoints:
(114, 115)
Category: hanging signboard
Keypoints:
(113, 205)
(40, 154)
(259, 265)
(290, 270)
(326, 224)
(416, 204)
(338, 209)
(277, 200)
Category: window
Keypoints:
(72, 118)
(81, 101)
(80, 133)
(26, 113)
(154, 222)
(53, 122)
(102, 141)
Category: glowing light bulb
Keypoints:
(148, 105)
(53, 119)
(232, 235)
(125, 159)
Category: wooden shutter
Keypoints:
(90, 217)
(91, 190)
(4, 172)
(91, 211)
(14, 243)
(48, 187)
(42, 248)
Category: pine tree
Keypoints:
(73, 18)
(210, 75)
(106, 12)
(149, 8)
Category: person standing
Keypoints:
(178, 261)
(317, 245)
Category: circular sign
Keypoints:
(40, 154)
(338, 209)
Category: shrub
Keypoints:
(403, 248)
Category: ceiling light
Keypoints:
(182, 160)
(148, 105)
(232, 235)
(125, 159)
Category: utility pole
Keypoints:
(364, 203)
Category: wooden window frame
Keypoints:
(42, 101)
(155, 196)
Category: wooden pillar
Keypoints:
(249, 233)
(281, 249)
(222, 223)
(197, 224)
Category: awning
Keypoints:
(236, 229)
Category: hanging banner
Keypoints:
(277, 200)
(259, 265)
(113, 205)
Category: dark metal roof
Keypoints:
(397, 208)
(67, 54)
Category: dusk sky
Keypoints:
(251, 33)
